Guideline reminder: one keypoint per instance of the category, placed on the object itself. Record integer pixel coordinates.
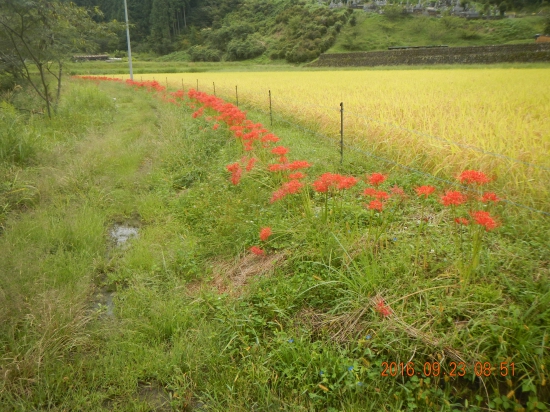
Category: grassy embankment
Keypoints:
(377, 32)
(196, 316)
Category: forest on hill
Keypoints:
(296, 30)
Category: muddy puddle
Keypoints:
(119, 236)
(121, 233)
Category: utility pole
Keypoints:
(128, 40)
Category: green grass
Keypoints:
(198, 320)
(378, 32)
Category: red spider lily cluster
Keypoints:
(382, 308)
(265, 233)
(254, 138)
(333, 181)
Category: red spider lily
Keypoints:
(298, 164)
(236, 172)
(297, 175)
(382, 308)
(331, 180)
(370, 191)
(287, 188)
(276, 167)
(378, 194)
(489, 197)
(484, 219)
(424, 190)
(283, 159)
(270, 138)
(473, 177)
(265, 233)
(376, 179)
(257, 251)
(375, 205)
(198, 113)
(215, 127)
(453, 198)
(462, 221)
(250, 164)
(280, 150)
(346, 182)
(396, 190)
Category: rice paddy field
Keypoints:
(440, 121)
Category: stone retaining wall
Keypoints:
(512, 53)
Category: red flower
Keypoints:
(484, 219)
(279, 150)
(287, 188)
(473, 176)
(382, 308)
(236, 172)
(489, 197)
(250, 164)
(277, 167)
(233, 167)
(453, 198)
(270, 138)
(345, 182)
(462, 221)
(370, 191)
(328, 180)
(376, 178)
(215, 127)
(265, 233)
(376, 205)
(293, 186)
(257, 251)
(424, 190)
(297, 175)
(298, 164)
(396, 190)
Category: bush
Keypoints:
(247, 49)
(203, 54)
(16, 144)
(393, 11)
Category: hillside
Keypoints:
(377, 32)
(296, 31)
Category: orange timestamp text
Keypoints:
(454, 369)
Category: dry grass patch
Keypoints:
(231, 276)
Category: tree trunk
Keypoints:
(45, 86)
(60, 63)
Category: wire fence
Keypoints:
(236, 98)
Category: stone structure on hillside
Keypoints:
(508, 53)
(427, 8)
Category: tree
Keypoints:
(37, 36)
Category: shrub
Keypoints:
(247, 49)
(203, 54)
(16, 143)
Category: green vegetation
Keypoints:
(299, 30)
(37, 37)
(199, 322)
(378, 32)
